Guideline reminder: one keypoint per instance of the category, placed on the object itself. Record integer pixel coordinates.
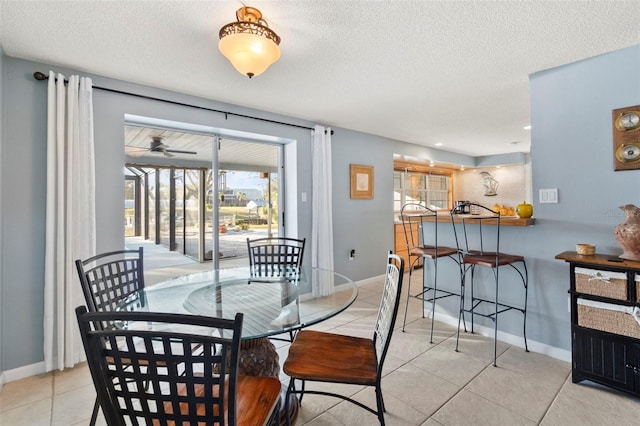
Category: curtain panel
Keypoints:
(70, 214)
(322, 208)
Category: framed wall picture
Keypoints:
(361, 181)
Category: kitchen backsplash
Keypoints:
(506, 185)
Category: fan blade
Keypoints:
(135, 154)
(177, 151)
(168, 154)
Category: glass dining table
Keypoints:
(271, 305)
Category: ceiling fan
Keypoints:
(158, 147)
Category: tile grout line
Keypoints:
(555, 398)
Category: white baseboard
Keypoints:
(512, 339)
(23, 372)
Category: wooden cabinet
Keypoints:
(400, 243)
(605, 344)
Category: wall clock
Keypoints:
(626, 138)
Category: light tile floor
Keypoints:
(424, 384)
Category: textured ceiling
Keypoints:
(426, 72)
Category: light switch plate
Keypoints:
(548, 195)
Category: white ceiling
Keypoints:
(426, 72)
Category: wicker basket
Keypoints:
(609, 320)
(586, 249)
(603, 283)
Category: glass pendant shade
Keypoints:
(249, 44)
(250, 54)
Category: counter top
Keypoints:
(504, 221)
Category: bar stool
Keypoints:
(420, 227)
(487, 254)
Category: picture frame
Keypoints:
(361, 178)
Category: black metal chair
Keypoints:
(278, 259)
(107, 279)
(164, 381)
(316, 356)
(480, 247)
(420, 225)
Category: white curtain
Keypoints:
(70, 214)
(322, 215)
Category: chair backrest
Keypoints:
(108, 278)
(476, 237)
(420, 225)
(148, 373)
(388, 311)
(275, 257)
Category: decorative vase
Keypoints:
(628, 233)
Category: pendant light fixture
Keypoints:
(249, 44)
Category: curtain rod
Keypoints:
(41, 77)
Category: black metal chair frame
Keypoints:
(414, 216)
(275, 258)
(113, 277)
(178, 378)
(486, 257)
(383, 331)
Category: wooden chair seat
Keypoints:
(431, 252)
(328, 357)
(254, 400)
(489, 259)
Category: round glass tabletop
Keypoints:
(271, 305)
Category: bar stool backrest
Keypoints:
(419, 225)
(477, 237)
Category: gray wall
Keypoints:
(571, 108)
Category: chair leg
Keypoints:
(526, 292)
(461, 311)
(301, 391)
(286, 400)
(435, 290)
(380, 404)
(406, 307)
(495, 322)
(463, 277)
(424, 292)
(94, 413)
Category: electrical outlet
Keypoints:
(352, 255)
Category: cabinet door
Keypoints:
(605, 359)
